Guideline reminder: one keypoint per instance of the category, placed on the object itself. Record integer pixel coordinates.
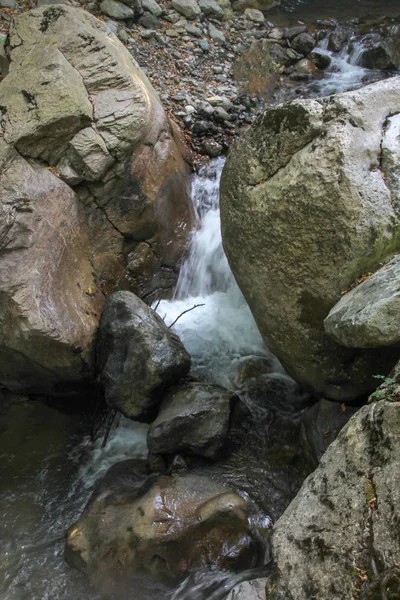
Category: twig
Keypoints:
(184, 312)
(157, 305)
(114, 412)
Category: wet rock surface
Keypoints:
(138, 357)
(192, 418)
(160, 526)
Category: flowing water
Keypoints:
(48, 467)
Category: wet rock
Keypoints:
(321, 425)
(249, 590)
(294, 279)
(211, 8)
(293, 32)
(342, 522)
(338, 38)
(116, 10)
(379, 53)
(193, 418)
(249, 368)
(320, 60)
(188, 8)
(367, 316)
(162, 527)
(304, 69)
(303, 43)
(138, 357)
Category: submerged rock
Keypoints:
(305, 210)
(138, 357)
(90, 171)
(339, 536)
(193, 418)
(159, 526)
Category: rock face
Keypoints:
(193, 418)
(340, 534)
(306, 210)
(138, 357)
(93, 192)
(368, 316)
(159, 526)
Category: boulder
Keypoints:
(339, 537)
(153, 7)
(254, 15)
(369, 315)
(378, 52)
(295, 238)
(194, 418)
(92, 179)
(188, 8)
(159, 526)
(249, 590)
(303, 43)
(138, 357)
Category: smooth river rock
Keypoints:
(138, 357)
(309, 203)
(340, 535)
(194, 418)
(162, 527)
(94, 193)
(369, 315)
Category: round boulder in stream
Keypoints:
(138, 357)
(193, 417)
(309, 203)
(159, 527)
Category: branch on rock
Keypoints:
(183, 313)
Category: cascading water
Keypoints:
(206, 280)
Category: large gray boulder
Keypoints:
(93, 193)
(307, 206)
(194, 418)
(340, 534)
(162, 527)
(369, 315)
(138, 357)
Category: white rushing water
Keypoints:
(222, 331)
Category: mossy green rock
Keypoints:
(306, 209)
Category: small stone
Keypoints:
(188, 8)
(215, 34)
(254, 15)
(172, 17)
(152, 7)
(320, 60)
(211, 148)
(193, 30)
(149, 21)
(8, 4)
(116, 10)
(205, 109)
(204, 45)
(211, 9)
(172, 33)
(147, 34)
(190, 109)
(123, 35)
(291, 33)
(220, 114)
(275, 34)
(217, 70)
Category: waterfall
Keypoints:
(221, 331)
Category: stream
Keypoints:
(48, 466)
